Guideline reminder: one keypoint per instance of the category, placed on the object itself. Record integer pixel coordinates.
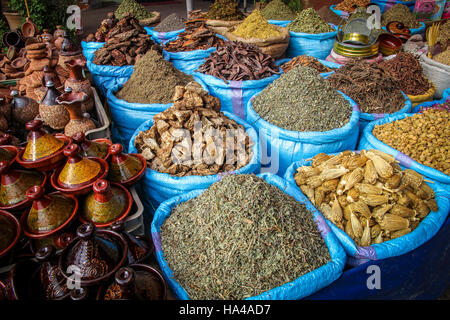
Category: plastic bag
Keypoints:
(89, 49)
(340, 13)
(282, 147)
(299, 288)
(326, 63)
(159, 186)
(127, 117)
(108, 76)
(188, 61)
(281, 23)
(437, 73)
(162, 37)
(396, 247)
(387, 4)
(315, 45)
(368, 141)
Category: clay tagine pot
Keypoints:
(78, 83)
(79, 173)
(14, 185)
(7, 153)
(49, 213)
(23, 109)
(43, 151)
(135, 282)
(46, 36)
(109, 202)
(10, 231)
(98, 254)
(72, 102)
(52, 113)
(68, 50)
(7, 139)
(126, 169)
(139, 247)
(92, 148)
(59, 241)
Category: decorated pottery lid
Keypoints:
(49, 213)
(50, 95)
(70, 97)
(7, 154)
(91, 148)
(9, 232)
(106, 204)
(97, 253)
(68, 47)
(124, 168)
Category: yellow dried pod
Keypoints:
(404, 200)
(300, 178)
(326, 210)
(412, 178)
(336, 210)
(432, 204)
(365, 238)
(394, 181)
(370, 174)
(414, 199)
(383, 168)
(361, 208)
(379, 238)
(414, 224)
(375, 231)
(346, 212)
(392, 222)
(396, 167)
(402, 211)
(308, 171)
(425, 192)
(379, 212)
(330, 185)
(319, 196)
(352, 195)
(374, 200)
(348, 229)
(356, 225)
(389, 158)
(308, 191)
(319, 158)
(422, 210)
(355, 176)
(314, 181)
(333, 161)
(368, 188)
(333, 173)
(400, 233)
(357, 161)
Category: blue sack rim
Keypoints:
(375, 116)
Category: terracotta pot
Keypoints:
(24, 109)
(95, 148)
(78, 83)
(126, 169)
(29, 29)
(14, 19)
(10, 231)
(53, 114)
(47, 36)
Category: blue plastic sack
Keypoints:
(280, 23)
(189, 61)
(299, 288)
(396, 247)
(340, 13)
(368, 117)
(127, 117)
(368, 141)
(162, 37)
(446, 94)
(427, 104)
(315, 45)
(162, 186)
(387, 4)
(108, 76)
(286, 146)
(89, 49)
(326, 63)
(419, 30)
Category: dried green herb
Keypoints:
(239, 238)
(301, 100)
(401, 13)
(132, 6)
(225, 10)
(309, 21)
(277, 10)
(171, 23)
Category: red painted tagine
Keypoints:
(126, 169)
(92, 148)
(10, 231)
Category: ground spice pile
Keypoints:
(171, 23)
(351, 5)
(309, 21)
(239, 61)
(256, 26)
(307, 61)
(277, 10)
(226, 10)
(301, 100)
(153, 80)
(240, 238)
(132, 6)
(407, 70)
(370, 86)
(329, 16)
(401, 13)
(443, 57)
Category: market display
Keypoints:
(159, 87)
(351, 5)
(367, 195)
(105, 26)
(277, 10)
(171, 23)
(239, 61)
(309, 105)
(226, 10)
(329, 16)
(259, 238)
(166, 147)
(256, 26)
(309, 21)
(131, 6)
(306, 61)
(400, 13)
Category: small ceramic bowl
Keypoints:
(12, 220)
(389, 44)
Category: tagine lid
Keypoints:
(91, 148)
(49, 213)
(10, 231)
(40, 143)
(8, 153)
(125, 168)
(107, 203)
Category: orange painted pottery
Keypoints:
(107, 203)
(43, 151)
(97, 254)
(7, 153)
(78, 83)
(10, 231)
(79, 173)
(92, 148)
(126, 169)
(49, 213)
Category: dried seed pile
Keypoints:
(307, 61)
(424, 137)
(439, 106)
(301, 100)
(351, 5)
(226, 10)
(329, 16)
(239, 238)
(171, 23)
(367, 195)
(126, 41)
(133, 7)
(153, 80)
(239, 61)
(256, 26)
(370, 86)
(401, 13)
(195, 37)
(105, 26)
(309, 21)
(443, 57)
(407, 70)
(208, 149)
(277, 10)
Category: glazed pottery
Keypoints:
(79, 294)
(107, 203)
(126, 169)
(50, 75)
(78, 83)
(23, 109)
(7, 153)
(10, 231)
(43, 151)
(59, 241)
(14, 185)
(79, 173)
(49, 213)
(92, 148)
(98, 254)
(53, 114)
(68, 47)
(72, 101)
(135, 282)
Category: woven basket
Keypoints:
(427, 96)
(151, 21)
